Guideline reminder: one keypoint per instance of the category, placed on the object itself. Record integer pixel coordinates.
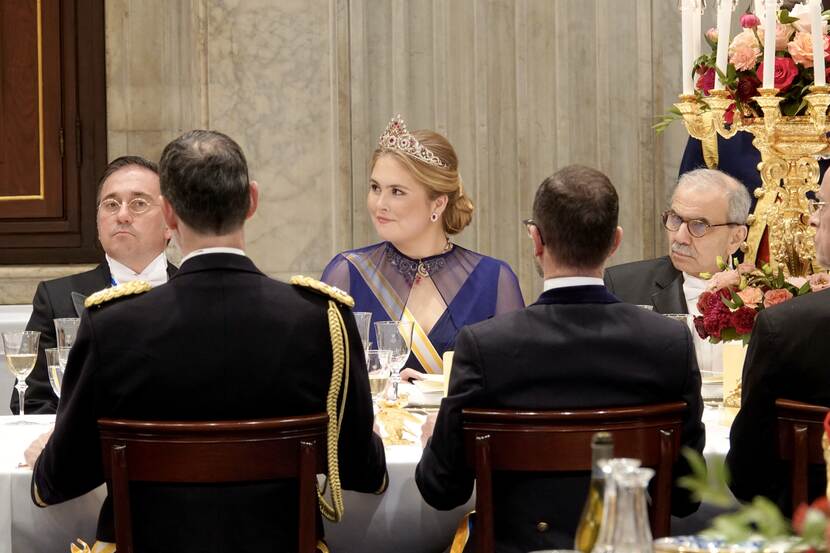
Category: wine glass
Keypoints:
(377, 363)
(66, 330)
(21, 355)
(363, 320)
(55, 368)
(396, 336)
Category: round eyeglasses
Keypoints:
(136, 206)
(697, 227)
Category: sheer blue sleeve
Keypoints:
(509, 296)
(337, 273)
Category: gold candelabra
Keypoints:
(789, 146)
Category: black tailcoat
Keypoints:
(219, 341)
(654, 282)
(575, 348)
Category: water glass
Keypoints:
(396, 336)
(363, 320)
(377, 363)
(55, 368)
(21, 355)
(66, 330)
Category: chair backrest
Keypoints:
(209, 452)
(800, 429)
(555, 441)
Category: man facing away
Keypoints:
(133, 235)
(787, 358)
(577, 347)
(706, 219)
(219, 341)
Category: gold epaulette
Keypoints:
(331, 291)
(127, 289)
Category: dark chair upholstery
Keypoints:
(554, 441)
(214, 452)
(800, 430)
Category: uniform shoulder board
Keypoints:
(122, 290)
(327, 290)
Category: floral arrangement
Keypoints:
(735, 297)
(745, 69)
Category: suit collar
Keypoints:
(668, 295)
(577, 295)
(217, 261)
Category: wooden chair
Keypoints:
(214, 452)
(554, 441)
(800, 429)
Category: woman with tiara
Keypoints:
(416, 202)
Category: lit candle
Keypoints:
(817, 30)
(770, 20)
(686, 53)
(724, 24)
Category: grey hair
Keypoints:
(737, 196)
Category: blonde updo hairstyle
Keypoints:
(437, 180)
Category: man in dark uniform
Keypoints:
(577, 347)
(220, 340)
(787, 358)
(133, 235)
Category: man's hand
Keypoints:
(411, 374)
(33, 451)
(427, 428)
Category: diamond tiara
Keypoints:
(396, 137)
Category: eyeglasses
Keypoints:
(697, 227)
(137, 206)
(531, 223)
(814, 206)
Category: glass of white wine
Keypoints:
(21, 355)
(377, 363)
(55, 367)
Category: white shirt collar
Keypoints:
(564, 282)
(217, 249)
(155, 272)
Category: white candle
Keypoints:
(817, 30)
(696, 34)
(724, 24)
(770, 20)
(686, 53)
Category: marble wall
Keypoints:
(520, 87)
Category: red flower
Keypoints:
(743, 319)
(750, 21)
(700, 327)
(820, 504)
(717, 318)
(729, 114)
(703, 301)
(706, 81)
(748, 87)
(785, 72)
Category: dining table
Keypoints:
(397, 521)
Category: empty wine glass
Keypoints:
(55, 368)
(396, 336)
(377, 363)
(363, 320)
(66, 330)
(21, 354)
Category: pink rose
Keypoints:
(712, 35)
(724, 279)
(746, 268)
(750, 21)
(774, 297)
(782, 36)
(706, 81)
(819, 281)
(751, 296)
(801, 49)
(744, 50)
(785, 72)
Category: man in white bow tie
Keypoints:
(133, 236)
(706, 219)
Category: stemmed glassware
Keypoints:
(55, 369)
(363, 320)
(377, 363)
(66, 330)
(21, 354)
(396, 336)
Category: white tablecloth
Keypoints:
(396, 522)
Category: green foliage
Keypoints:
(667, 119)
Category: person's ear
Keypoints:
(253, 191)
(618, 236)
(171, 220)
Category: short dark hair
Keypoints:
(119, 163)
(204, 176)
(576, 211)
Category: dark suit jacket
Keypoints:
(53, 300)
(219, 341)
(652, 282)
(574, 348)
(787, 358)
